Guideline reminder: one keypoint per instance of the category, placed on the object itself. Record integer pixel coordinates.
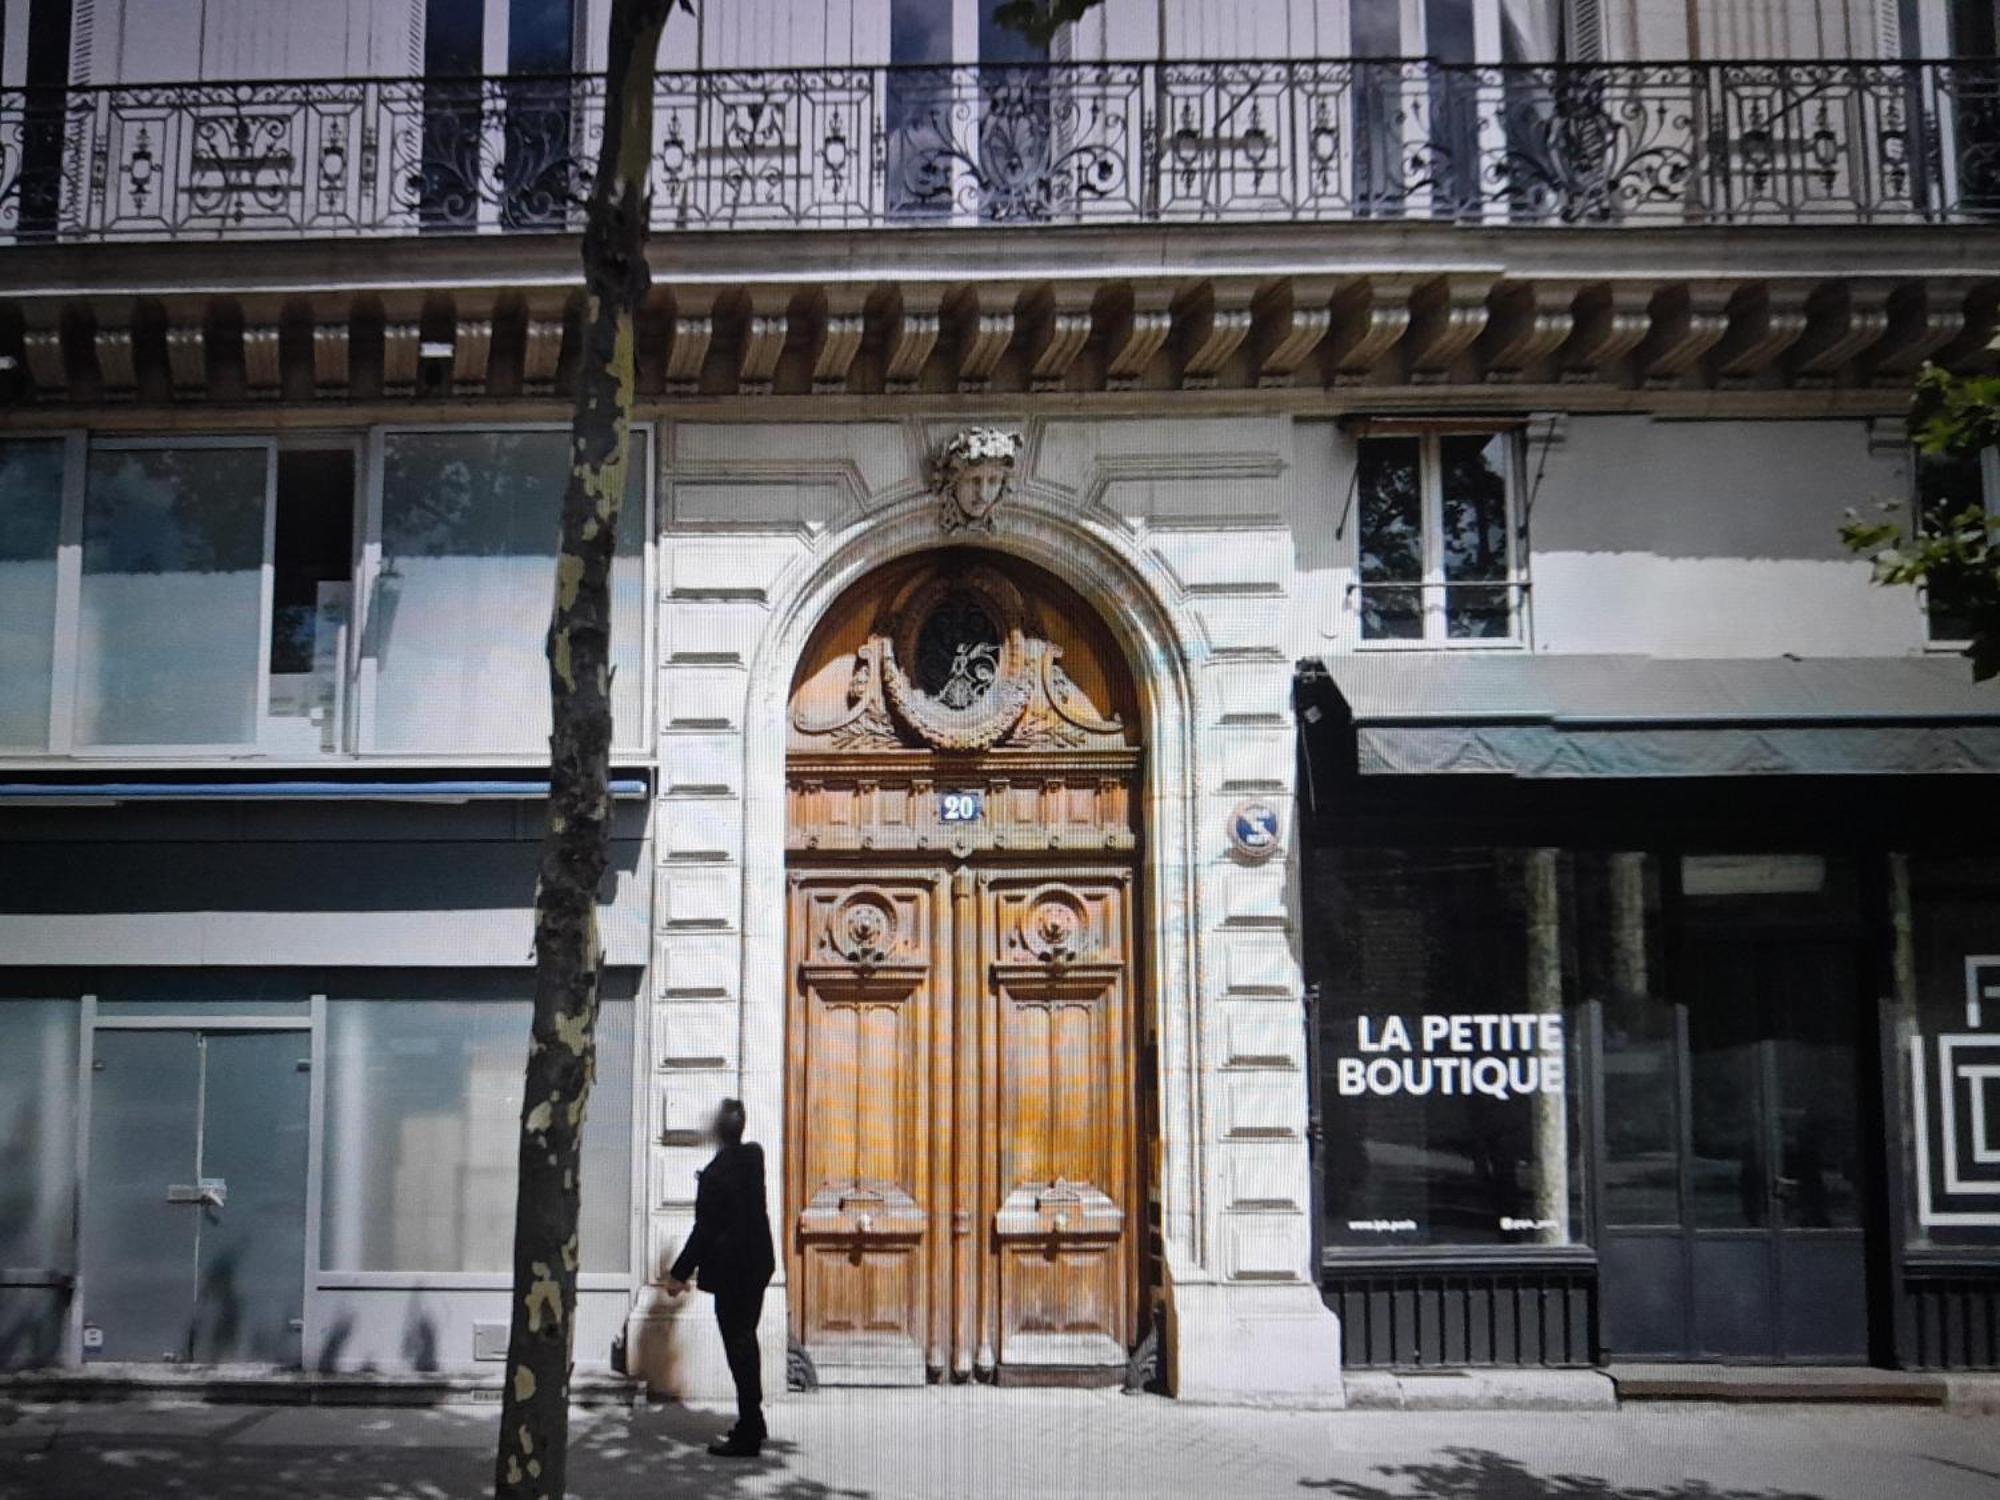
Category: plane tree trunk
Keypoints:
(532, 1460)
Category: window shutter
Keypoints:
(1583, 31)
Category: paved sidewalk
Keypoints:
(982, 1444)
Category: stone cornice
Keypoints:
(1343, 317)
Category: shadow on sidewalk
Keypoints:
(1479, 1474)
(655, 1451)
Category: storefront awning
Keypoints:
(1519, 714)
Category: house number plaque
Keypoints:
(960, 807)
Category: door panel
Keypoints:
(194, 1236)
(863, 1007)
(1734, 1307)
(138, 1259)
(1063, 1124)
(250, 1282)
(964, 1188)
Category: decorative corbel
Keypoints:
(1921, 322)
(1764, 321)
(1288, 321)
(330, 343)
(1446, 315)
(263, 374)
(688, 353)
(839, 342)
(1211, 323)
(117, 372)
(912, 337)
(1056, 336)
(471, 347)
(762, 340)
(1839, 326)
(1610, 322)
(1369, 317)
(1688, 321)
(1136, 338)
(980, 337)
(402, 347)
(541, 355)
(187, 359)
(1526, 322)
(42, 348)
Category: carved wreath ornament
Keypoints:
(959, 663)
(972, 474)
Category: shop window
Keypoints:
(423, 1109)
(1450, 1063)
(311, 593)
(1954, 491)
(172, 603)
(1951, 984)
(460, 606)
(38, 1099)
(1436, 559)
(31, 497)
(1619, 941)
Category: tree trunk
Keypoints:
(533, 1454)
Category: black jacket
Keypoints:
(730, 1245)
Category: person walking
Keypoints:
(728, 1253)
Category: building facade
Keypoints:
(1241, 719)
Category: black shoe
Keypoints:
(737, 1445)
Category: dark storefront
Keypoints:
(1653, 1067)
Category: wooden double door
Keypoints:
(964, 1194)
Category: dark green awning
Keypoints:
(1519, 714)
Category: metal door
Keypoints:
(194, 1229)
(1734, 1214)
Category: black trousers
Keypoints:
(737, 1310)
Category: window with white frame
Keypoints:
(234, 595)
(1953, 490)
(1437, 556)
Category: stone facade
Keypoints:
(763, 528)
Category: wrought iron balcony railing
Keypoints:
(1084, 143)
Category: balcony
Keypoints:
(1104, 144)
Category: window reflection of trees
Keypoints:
(1473, 537)
(1391, 540)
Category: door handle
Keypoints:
(210, 1192)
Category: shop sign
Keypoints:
(1955, 1093)
(1497, 1056)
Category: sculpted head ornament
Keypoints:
(971, 476)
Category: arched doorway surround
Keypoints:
(965, 1188)
(1130, 595)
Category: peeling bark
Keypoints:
(533, 1452)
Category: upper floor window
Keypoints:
(235, 596)
(1436, 532)
(1952, 488)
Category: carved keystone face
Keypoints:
(978, 489)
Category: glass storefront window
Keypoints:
(1620, 952)
(38, 1124)
(461, 604)
(31, 495)
(1450, 1063)
(174, 545)
(1951, 981)
(423, 1107)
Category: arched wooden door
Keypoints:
(964, 1190)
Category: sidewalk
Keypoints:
(983, 1444)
